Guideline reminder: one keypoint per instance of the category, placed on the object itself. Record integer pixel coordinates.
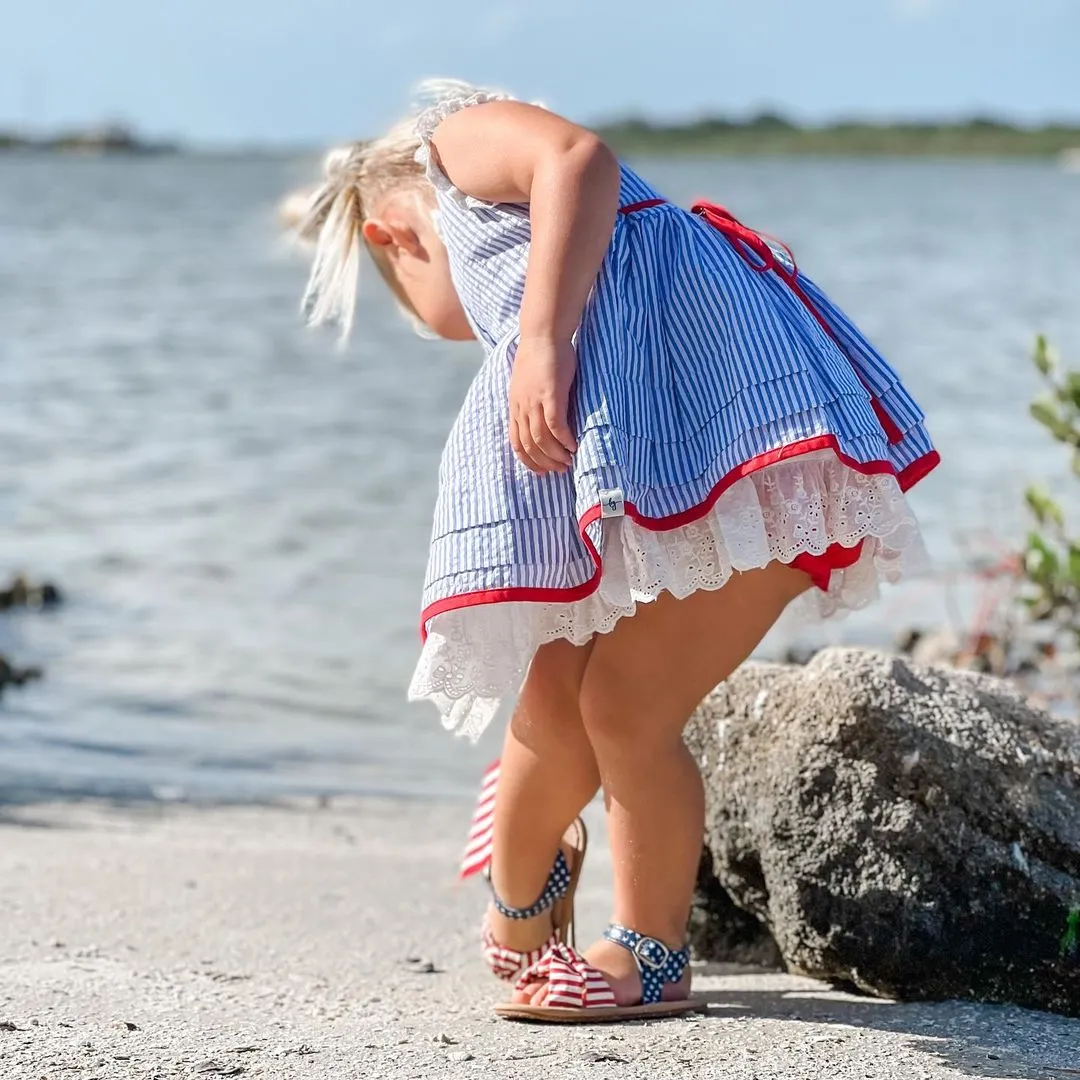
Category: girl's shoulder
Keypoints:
(438, 99)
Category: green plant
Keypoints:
(1052, 556)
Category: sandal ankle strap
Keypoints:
(657, 963)
(558, 883)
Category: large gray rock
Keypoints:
(913, 831)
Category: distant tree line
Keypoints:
(772, 133)
(766, 133)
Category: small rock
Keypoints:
(7, 1025)
(460, 1055)
(936, 647)
(16, 676)
(445, 1039)
(302, 1050)
(20, 593)
(422, 966)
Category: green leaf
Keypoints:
(1042, 357)
(1070, 942)
(1072, 389)
(1044, 410)
(1074, 564)
(1043, 507)
(1041, 561)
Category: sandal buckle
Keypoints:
(652, 953)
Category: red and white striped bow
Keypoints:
(573, 983)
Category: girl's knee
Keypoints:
(617, 710)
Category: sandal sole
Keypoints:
(544, 1014)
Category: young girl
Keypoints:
(673, 435)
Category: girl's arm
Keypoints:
(505, 151)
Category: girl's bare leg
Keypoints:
(547, 776)
(640, 684)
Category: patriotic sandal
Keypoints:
(578, 993)
(558, 896)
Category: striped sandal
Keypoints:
(579, 994)
(558, 896)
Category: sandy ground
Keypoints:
(333, 942)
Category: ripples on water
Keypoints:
(239, 513)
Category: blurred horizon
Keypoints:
(275, 75)
(765, 132)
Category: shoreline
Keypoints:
(331, 939)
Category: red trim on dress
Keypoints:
(645, 204)
(907, 478)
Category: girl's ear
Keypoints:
(376, 233)
(390, 232)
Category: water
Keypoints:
(240, 514)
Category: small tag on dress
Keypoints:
(611, 503)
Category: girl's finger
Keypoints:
(515, 441)
(518, 446)
(530, 456)
(541, 463)
(545, 441)
(558, 427)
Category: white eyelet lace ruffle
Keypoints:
(475, 658)
(450, 97)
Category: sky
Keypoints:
(314, 71)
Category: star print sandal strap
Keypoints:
(657, 964)
(578, 993)
(504, 962)
(558, 883)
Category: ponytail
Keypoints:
(331, 217)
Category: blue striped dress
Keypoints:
(724, 421)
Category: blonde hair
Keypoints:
(332, 216)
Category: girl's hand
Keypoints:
(544, 370)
